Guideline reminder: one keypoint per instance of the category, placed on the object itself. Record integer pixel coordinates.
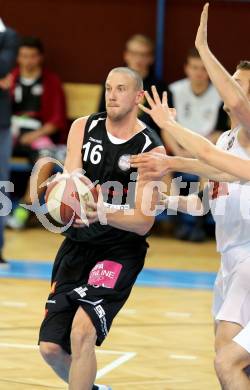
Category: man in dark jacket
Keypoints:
(8, 51)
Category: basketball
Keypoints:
(66, 197)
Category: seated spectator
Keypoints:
(39, 115)
(139, 55)
(199, 107)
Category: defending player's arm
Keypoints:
(238, 168)
(140, 219)
(173, 145)
(156, 165)
(197, 145)
(230, 91)
(199, 168)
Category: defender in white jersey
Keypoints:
(232, 289)
(229, 204)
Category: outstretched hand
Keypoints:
(201, 36)
(159, 110)
(151, 165)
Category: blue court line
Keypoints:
(148, 277)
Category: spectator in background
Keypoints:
(199, 108)
(39, 115)
(8, 51)
(139, 56)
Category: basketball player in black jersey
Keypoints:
(96, 266)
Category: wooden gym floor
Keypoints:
(161, 340)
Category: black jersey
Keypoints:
(27, 97)
(107, 163)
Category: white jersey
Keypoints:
(198, 113)
(230, 203)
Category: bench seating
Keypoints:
(81, 99)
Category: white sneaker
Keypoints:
(13, 223)
(103, 387)
(18, 219)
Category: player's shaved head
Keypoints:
(123, 93)
(132, 74)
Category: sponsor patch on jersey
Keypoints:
(124, 162)
(105, 274)
(98, 141)
(230, 143)
(51, 301)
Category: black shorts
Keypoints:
(97, 278)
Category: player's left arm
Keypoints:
(200, 147)
(238, 168)
(141, 218)
(230, 91)
(155, 165)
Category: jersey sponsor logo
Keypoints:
(51, 301)
(124, 162)
(99, 311)
(230, 143)
(117, 206)
(81, 291)
(105, 273)
(98, 141)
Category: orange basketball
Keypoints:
(66, 197)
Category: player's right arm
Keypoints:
(156, 165)
(73, 159)
(230, 91)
